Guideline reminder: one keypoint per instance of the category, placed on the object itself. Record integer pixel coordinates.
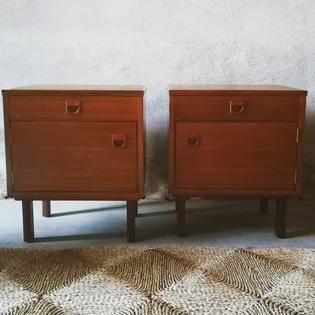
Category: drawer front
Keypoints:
(74, 108)
(74, 157)
(241, 108)
(235, 156)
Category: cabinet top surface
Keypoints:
(235, 89)
(89, 89)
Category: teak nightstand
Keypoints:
(236, 141)
(74, 143)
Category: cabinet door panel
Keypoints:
(68, 157)
(240, 156)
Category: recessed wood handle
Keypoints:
(73, 108)
(193, 140)
(119, 141)
(237, 108)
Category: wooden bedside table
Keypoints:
(74, 143)
(236, 141)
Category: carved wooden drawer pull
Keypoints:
(193, 140)
(237, 108)
(73, 108)
(119, 141)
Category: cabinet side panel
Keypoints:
(141, 147)
(300, 146)
(7, 134)
(171, 147)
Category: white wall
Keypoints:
(156, 43)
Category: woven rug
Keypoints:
(157, 281)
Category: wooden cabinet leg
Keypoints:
(263, 205)
(28, 221)
(181, 216)
(281, 213)
(132, 210)
(46, 208)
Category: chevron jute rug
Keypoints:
(158, 281)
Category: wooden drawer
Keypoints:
(235, 108)
(74, 108)
(244, 156)
(74, 157)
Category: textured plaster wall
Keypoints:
(156, 43)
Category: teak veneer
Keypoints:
(74, 142)
(236, 140)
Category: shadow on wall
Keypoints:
(308, 180)
(2, 165)
(309, 149)
(157, 164)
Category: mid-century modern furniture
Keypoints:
(236, 141)
(74, 143)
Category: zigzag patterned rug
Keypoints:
(157, 281)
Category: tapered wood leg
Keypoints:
(46, 208)
(132, 210)
(181, 216)
(28, 221)
(263, 205)
(281, 214)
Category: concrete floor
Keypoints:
(235, 223)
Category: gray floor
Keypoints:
(210, 223)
